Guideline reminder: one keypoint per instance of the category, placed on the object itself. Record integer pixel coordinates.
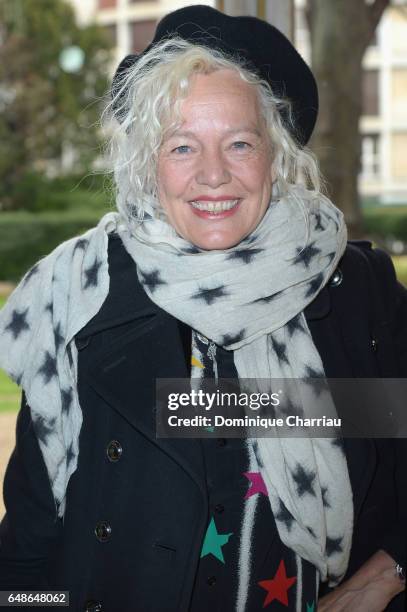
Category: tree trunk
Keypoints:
(340, 33)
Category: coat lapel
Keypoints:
(125, 376)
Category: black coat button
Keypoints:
(222, 442)
(92, 606)
(114, 451)
(373, 344)
(211, 580)
(336, 278)
(103, 531)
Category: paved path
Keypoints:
(7, 441)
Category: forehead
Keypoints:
(221, 96)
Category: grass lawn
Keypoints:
(9, 392)
(401, 268)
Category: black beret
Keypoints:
(262, 47)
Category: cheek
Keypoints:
(257, 178)
(171, 179)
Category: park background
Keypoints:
(57, 58)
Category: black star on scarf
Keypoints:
(280, 350)
(232, 338)
(339, 443)
(255, 447)
(249, 239)
(294, 325)
(49, 367)
(69, 454)
(314, 285)
(312, 373)
(192, 250)
(82, 243)
(305, 255)
(333, 545)
(304, 481)
(43, 428)
(92, 274)
(69, 354)
(318, 224)
(18, 323)
(245, 255)
(290, 409)
(31, 273)
(316, 379)
(210, 295)
(59, 339)
(152, 279)
(324, 491)
(284, 516)
(50, 308)
(66, 399)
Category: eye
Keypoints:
(241, 145)
(181, 149)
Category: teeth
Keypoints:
(215, 206)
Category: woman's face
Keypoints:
(214, 171)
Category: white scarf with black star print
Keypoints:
(249, 299)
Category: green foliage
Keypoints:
(382, 222)
(37, 193)
(26, 237)
(44, 111)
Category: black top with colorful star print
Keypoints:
(275, 577)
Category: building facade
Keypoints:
(131, 25)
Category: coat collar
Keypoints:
(124, 376)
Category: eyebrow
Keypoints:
(231, 131)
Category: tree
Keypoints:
(340, 32)
(45, 110)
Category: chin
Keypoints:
(216, 241)
(218, 244)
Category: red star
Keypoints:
(277, 587)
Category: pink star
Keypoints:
(257, 484)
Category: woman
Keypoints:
(220, 256)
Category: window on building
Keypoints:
(104, 4)
(370, 92)
(142, 33)
(370, 156)
(398, 156)
(399, 93)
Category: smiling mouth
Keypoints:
(215, 207)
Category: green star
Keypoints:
(214, 541)
(311, 607)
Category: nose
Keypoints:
(213, 170)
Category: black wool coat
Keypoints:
(137, 507)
